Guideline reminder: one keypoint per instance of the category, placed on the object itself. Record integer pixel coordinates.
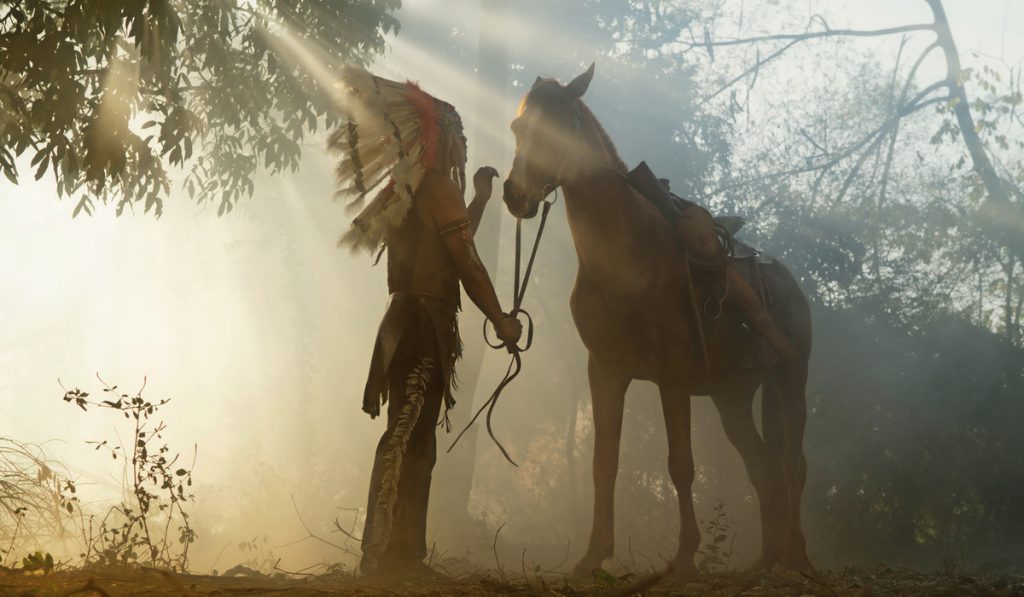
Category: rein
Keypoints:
(515, 365)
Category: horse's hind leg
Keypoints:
(784, 407)
(735, 407)
(607, 394)
(675, 403)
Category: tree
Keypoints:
(956, 135)
(107, 95)
(911, 97)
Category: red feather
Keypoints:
(426, 110)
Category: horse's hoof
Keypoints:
(796, 563)
(682, 570)
(587, 567)
(765, 564)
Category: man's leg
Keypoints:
(697, 230)
(409, 534)
(742, 295)
(414, 389)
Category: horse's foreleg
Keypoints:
(736, 411)
(607, 394)
(675, 404)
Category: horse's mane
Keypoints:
(602, 134)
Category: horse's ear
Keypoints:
(579, 85)
(536, 82)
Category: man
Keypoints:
(397, 132)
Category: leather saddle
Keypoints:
(741, 249)
(659, 192)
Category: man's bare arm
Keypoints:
(449, 213)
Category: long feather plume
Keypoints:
(391, 135)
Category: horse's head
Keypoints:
(546, 130)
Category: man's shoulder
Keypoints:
(436, 182)
(439, 193)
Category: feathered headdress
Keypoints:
(393, 135)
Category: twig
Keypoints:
(565, 558)
(752, 69)
(494, 548)
(337, 525)
(641, 585)
(301, 572)
(649, 562)
(311, 535)
(629, 548)
(819, 582)
(89, 588)
(219, 554)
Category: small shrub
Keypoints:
(151, 525)
(718, 531)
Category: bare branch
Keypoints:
(798, 37)
(753, 69)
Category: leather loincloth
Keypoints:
(431, 320)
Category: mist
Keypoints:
(260, 329)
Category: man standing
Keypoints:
(402, 138)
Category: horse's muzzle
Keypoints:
(519, 204)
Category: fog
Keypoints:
(260, 329)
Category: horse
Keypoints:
(634, 312)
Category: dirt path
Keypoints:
(115, 583)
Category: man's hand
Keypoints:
(483, 182)
(509, 331)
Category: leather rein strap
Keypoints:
(515, 365)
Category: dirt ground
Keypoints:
(864, 583)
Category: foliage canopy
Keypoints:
(107, 95)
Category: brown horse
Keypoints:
(632, 308)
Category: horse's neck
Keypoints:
(603, 213)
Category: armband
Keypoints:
(453, 227)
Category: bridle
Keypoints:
(515, 365)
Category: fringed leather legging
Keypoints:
(396, 514)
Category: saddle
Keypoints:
(741, 249)
(749, 258)
(727, 225)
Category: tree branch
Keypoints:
(753, 69)
(798, 37)
(994, 185)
